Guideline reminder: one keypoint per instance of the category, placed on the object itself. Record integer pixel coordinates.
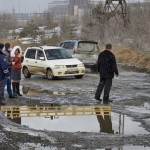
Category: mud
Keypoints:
(131, 97)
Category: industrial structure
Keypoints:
(76, 8)
(119, 7)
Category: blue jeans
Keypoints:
(1, 84)
(8, 83)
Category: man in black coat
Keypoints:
(107, 67)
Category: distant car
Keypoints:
(86, 51)
(51, 61)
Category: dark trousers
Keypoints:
(8, 83)
(105, 84)
(1, 84)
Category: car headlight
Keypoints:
(81, 65)
(59, 66)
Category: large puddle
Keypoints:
(39, 147)
(74, 119)
(118, 124)
(128, 148)
(35, 91)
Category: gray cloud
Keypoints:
(24, 5)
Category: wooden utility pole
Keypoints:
(118, 6)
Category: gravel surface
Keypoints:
(130, 94)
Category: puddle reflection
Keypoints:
(128, 148)
(105, 122)
(73, 119)
(40, 147)
(33, 91)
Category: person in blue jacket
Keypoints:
(7, 82)
(4, 72)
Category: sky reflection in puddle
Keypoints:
(40, 147)
(86, 124)
(127, 148)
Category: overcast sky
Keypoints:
(30, 5)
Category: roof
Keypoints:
(80, 41)
(46, 47)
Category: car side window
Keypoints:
(40, 54)
(30, 53)
(71, 45)
(68, 45)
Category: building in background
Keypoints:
(76, 7)
(58, 7)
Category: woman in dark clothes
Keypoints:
(16, 72)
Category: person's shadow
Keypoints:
(104, 119)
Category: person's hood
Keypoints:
(14, 49)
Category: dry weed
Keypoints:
(133, 57)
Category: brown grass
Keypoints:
(132, 57)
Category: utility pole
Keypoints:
(118, 6)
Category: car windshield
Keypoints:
(53, 54)
(87, 47)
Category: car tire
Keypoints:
(49, 74)
(79, 76)
(25, 90)
(26, 72)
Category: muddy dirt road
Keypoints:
(126, 128)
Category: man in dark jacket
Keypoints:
(3, 72)
(9, 65)
(107, 67)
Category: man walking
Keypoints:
(9, 65)
(107, 67)
(3, 72)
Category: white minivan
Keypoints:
(51, 61)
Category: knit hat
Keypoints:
(1, 46)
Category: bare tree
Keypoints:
(108, 27)
(7, 22)
(67, 28)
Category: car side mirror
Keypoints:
(41, 58)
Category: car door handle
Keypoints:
(26, 60)
(35, 61)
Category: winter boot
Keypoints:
(14, 89)
(18, 89)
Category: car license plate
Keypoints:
(72, 70)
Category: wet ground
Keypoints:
(126, 128)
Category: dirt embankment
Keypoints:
(139, 59)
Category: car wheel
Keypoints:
(25, 90)
(26, 72)
(49, 74)
(79, 76)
